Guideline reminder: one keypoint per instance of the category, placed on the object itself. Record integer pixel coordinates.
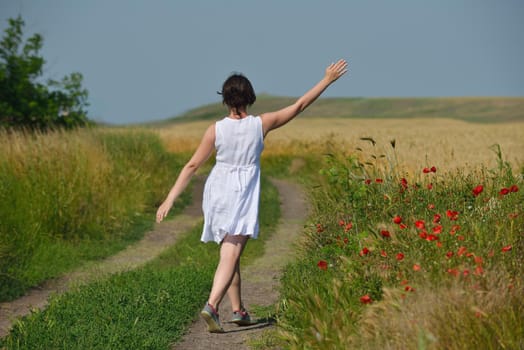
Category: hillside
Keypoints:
(472, 109)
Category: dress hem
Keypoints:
(251, 236)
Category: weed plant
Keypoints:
(70, 196)
(427, 260)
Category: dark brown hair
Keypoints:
(237, 92)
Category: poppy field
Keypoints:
(424, 258)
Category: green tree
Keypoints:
(24, 101)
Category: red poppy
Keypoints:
(478, 190)
(426, 170)
(478, 260)
(379, 181)
(461, 251)
(348, 227)
(504, 191)
(506, 248)
(452, 215)
(465, 272)
(341, 223)
(460, 238)
(404, 183)
(364, 251)
(453, 272)
(433, 169)
(404, 282)
(367, 181)
(439, 244)
(437, 229)
(320, 228)
(400, 256)
(416, 267)
(449, 254)
(366, 299)
(432, 238)
(436, 218)
(423, 235)
(409, 289)
(385, 233)
(478, 270)
(430, 186)
(420, 224)
(431, 206)
(383, 253)
(322, 265)
(514, 188)
(454, 229)
(397, 219)
(403, 226)
(346, 240)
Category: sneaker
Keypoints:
(241, 318)
(210, 315)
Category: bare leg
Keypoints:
(234, 292)
(230, 251)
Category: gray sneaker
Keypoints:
(241, 318)
(211, 317)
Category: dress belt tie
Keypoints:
(239, 171)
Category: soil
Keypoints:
(259, 280)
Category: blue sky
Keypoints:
(149, 60)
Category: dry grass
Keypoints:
(448, 144)
(456, 317)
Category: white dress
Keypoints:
(232, 189)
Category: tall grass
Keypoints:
(409, 260)
(70, 196)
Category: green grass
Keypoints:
(472, 109)
(148, 308)
(143, 309)
(458, 275)
(68, 197)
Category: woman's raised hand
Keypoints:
(336, 70)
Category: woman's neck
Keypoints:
(237, 114)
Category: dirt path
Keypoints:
(259, 280)
(154, 242)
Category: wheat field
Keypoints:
(446, 143)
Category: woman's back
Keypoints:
(239, 141)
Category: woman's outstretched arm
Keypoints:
(204, 150)
(274, 120)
